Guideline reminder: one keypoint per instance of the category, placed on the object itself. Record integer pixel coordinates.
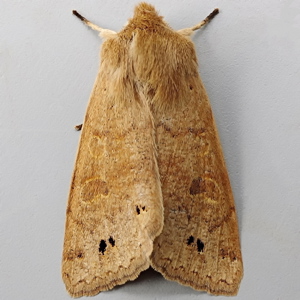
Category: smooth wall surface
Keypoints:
(249, 62)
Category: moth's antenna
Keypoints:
(102, 32)
(190, 30)
(206, 20)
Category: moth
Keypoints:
(150, 185)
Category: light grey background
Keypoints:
(249, 62)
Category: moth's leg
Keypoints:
(78, 127)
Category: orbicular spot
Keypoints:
(97, 146)
(211, 190)
(112, 241)
(200, 245)
(102, 247)
(195, 187)
(94, 189)
(190, 240)
(207, 187)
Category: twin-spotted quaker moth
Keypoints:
(150, 185)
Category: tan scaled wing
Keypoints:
(199, 245)
(115, 206)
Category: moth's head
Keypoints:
(144, 9)
(145, 17)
